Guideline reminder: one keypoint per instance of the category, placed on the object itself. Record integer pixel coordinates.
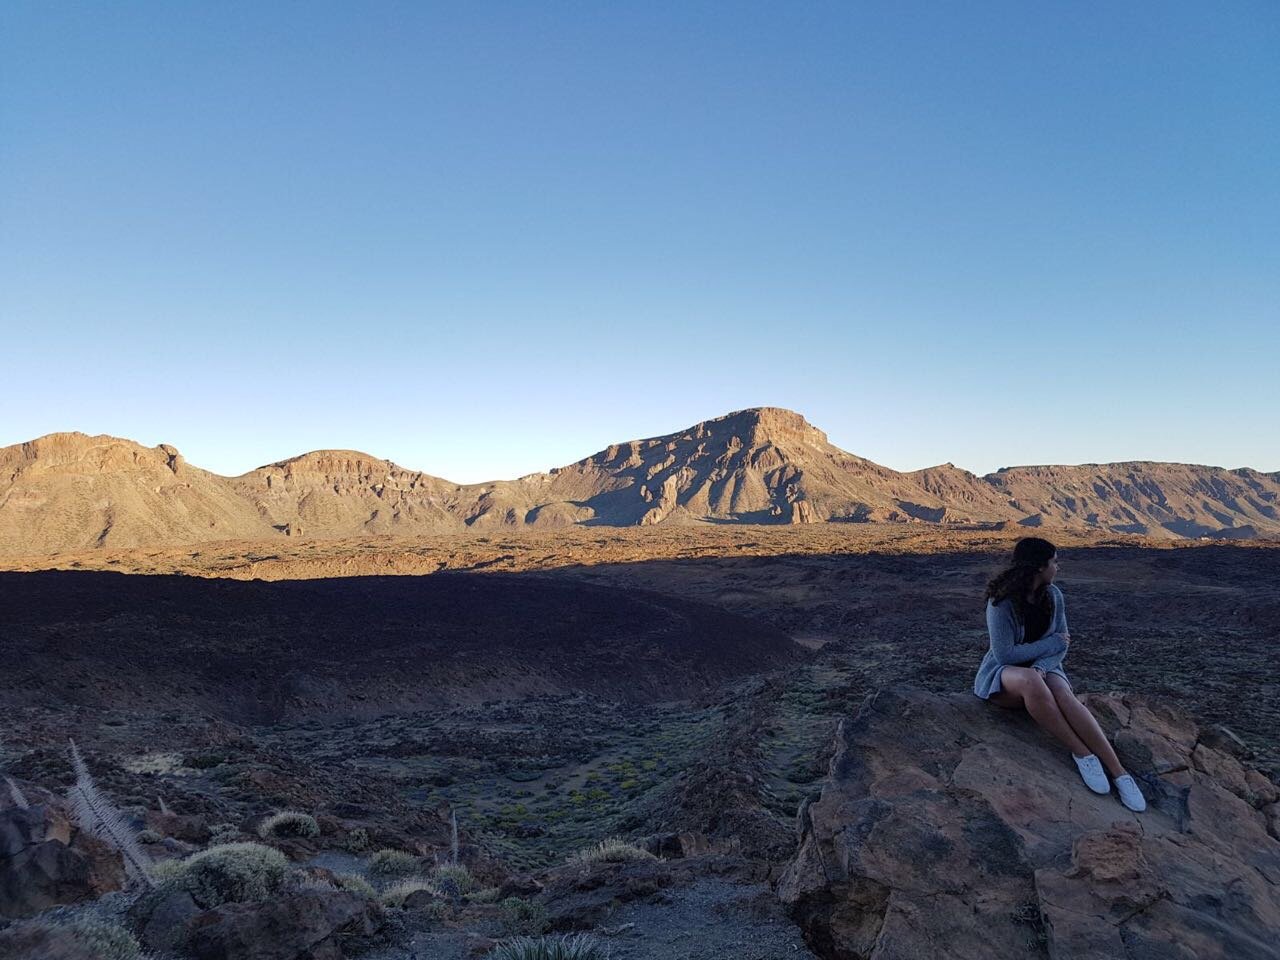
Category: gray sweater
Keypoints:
(1008, 649)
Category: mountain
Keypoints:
(68, 491)
(1180, 499)
(765, 465)
(331, 493)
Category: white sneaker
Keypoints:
(1130, 795)
(1091, 770)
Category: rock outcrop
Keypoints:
(950, 827)
(46, 861)
(304, 924)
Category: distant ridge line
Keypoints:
(760, 465)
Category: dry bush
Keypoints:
(612, 850)
(289, 823)
(387, 865)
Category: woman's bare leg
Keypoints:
(1027, 685)
(1084, 723)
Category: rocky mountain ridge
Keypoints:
(764, 465)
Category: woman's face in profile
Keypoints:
(1051, 569)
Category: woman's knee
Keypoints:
(1060, 688)
(1022, 680)
(1034, 692)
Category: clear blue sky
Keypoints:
(485, 239)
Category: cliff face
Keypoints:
(335, 493)
(750, 466)
(1178, 499)
(945, 820)
(69, 491)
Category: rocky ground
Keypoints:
(683, 692)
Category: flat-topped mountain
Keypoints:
(765, 465)
(69, 491)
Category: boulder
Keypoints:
(46, 861)
(189, 828)
(951, 826)
(677, 846)
(581, 896)
(160, 918)
(297, 925)
(419, 900)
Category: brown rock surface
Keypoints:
(950, 826)
(46, 861)
(301, 925)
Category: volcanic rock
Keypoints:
(949, 826)
(45, 860)
(299, 925)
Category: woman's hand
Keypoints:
(1066, 638)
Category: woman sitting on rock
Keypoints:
(1027, 620)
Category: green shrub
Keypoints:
(522, 916)
(487, 895)
(355, 884)
(229, 873)
(106, 940)
(395, 895)
(454, 878)
(435, 910)
(305, 881)
(164, 871)
(612, 850)
(149, 836)
(578, 946)
(392, 865)
(357, 841)
(289, 823)
(221, 833)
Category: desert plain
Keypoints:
(679, 687)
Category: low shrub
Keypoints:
(613, 850)
(355, 884)
(105, 940)
(522, 917)
(387, 865)
(289, 823)
(164, 871)
(435, 910)
(395, 895)
(357, 841)
(304, 881)
(454, 879)
(577, 946)
(223, 833)
(228, 873)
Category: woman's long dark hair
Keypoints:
(1029, 555)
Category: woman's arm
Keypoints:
(1004, 645)
(1061, 626)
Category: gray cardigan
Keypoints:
(1008, 649)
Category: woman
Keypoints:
(1027, 621)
